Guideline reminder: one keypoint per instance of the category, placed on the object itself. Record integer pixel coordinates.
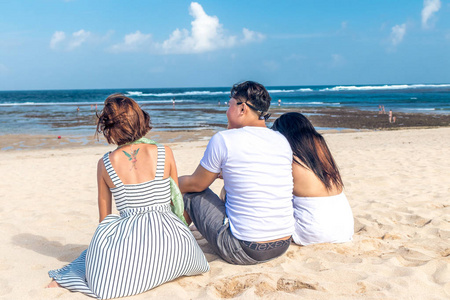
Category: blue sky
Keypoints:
(82, 44)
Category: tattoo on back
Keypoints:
(132, 157)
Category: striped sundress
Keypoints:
(146, 246)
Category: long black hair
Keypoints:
(309, 148)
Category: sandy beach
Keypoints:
(396, 181)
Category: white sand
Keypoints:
(397, 182)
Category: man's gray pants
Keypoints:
(207, 212)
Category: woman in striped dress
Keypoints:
(147, 245)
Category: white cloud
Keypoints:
(429, 8)
(397, 34)
(78, 38)
(57, 38)
(206, 34)
(74, 41)
(252, 36)
(133, 42)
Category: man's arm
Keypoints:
(199, 181)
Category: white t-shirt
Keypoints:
(256, 165)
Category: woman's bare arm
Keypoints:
(104, 194)
(172, 164)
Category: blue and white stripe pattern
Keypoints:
(146, 246)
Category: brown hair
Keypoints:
(122, 120)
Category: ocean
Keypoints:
(73, 111)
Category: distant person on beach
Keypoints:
(394, 118)
(147, 245)
(382, 110)
(279, 102)
(173, 102)
(390, 116)
(255, 223)
(321, 209)
(78, 109)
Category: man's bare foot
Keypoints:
(53, 284)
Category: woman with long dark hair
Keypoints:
(321, 209)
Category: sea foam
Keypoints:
(384, 87)
(188, 93)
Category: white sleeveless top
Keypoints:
(322, 220)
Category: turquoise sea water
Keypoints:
(52, 111)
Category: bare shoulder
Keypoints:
(153, 147)
(100, 164)
(168, 150)
(169, 154)
(101, 168)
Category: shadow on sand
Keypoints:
(40, 244)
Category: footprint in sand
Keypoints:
(233, 286)
(445, 253)
(291, 285)
(412, 258)
(230, 287)
(388, 236)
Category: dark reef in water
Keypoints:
(361, 119)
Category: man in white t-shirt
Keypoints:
(256, 221)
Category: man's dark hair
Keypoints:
(255, 93)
